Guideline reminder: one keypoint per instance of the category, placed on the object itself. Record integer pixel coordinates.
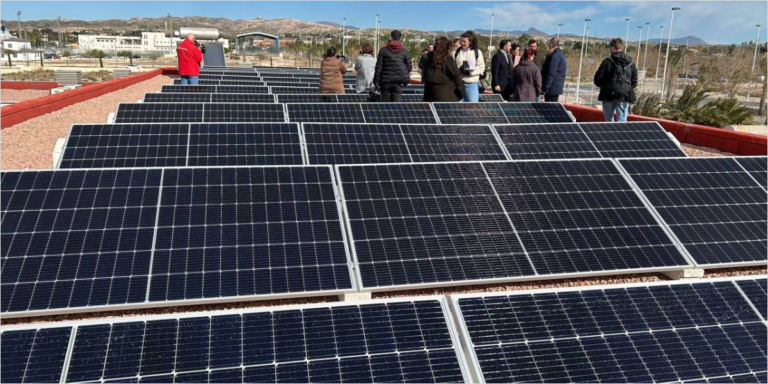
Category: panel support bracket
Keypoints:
(354, 296)
(691, 273)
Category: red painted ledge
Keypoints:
(34, 85)
(25, 110)
(740, 143)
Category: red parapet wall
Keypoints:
(34, 85)
(25, 110)
(739, 143)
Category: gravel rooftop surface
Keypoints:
(30, 144)
(15, 95)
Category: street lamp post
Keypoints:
(581, 58)
(645, 54)
(490, 42)
(507, 32)
(754, 58)
(639, 43)
(376, 31)
(626, 41)
(60, 42)
(586, 44)
(343, 38)
(685, 57)
(18, 18)
(558, 30)
(666, 57)
(658, 59)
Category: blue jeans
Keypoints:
(471, 93)
(189, 80)
(621, 108)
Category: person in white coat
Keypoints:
(471, 65)
(365, 67)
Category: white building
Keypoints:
(148, 42)
(16, 45)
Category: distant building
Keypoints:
(148, 42)
(22, 49)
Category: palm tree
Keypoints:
(674, 59)
(8, 53)
(66, 55)
(98, 54)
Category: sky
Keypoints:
(717, 22)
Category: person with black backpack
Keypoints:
(472, 66)
(617, 79)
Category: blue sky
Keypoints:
(713, 21)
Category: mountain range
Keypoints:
(282, 27)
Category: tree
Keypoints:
(66, 55)
(153, 56)
(261, 56)
(8, 53)
(523, 40)
(126, 54)
(98, 54)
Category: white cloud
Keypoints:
(520, 15)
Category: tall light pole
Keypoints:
(666, 57)
(685, 57)
(581, 58)
(343, 38)
(558, 30)
(18, 18)
(626, 41)
(376, 31)
(586, 44)
(490, 42)
(754, 58)
(507, 32)
(658, 59)
(61, 44)
(639, 43)
(645, 54)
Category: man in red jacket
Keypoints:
(190, 58)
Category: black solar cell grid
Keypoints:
(549, 141)
(452, 143)
(214, 89)
(394, 113)
(188, 89)
(244, 144)
(696, 332)
(226, 82)
(354, 144)
(535, 113)
(757, 292)
(179, 97)
(469, 113)
(243, 112)
(159, 113)
(757, 166)
(292, 89)
(385, 341)
(125, 146)
(713, 206)
(325, 113)
(242, 98)
(443, 223)
(631, 139)
(491, 98)
(79, 240)
(398, 113)
(306, 98)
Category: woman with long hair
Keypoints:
(526, 78)
(331, 70)
(442, 79)
(471, 64)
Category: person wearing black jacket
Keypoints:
(442, 78)
(553, 72)
(500, 69)
(423, 59)
(393, 69)
(617, 79)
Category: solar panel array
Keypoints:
(199, 113)
(173, 144)
(382, 341)
(713, 206)
(699, 332)
(404, 113)
(501, 113)
(587, 140)
(385, 143)
(454, 223)
(192, 97)
(76, 240)
(214, 89)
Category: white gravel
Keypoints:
(697, 151)
(30, 144)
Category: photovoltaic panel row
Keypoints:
(358, 98)
(384, 143)
(298, 88)
(639, 333)
(173, 144)
(225, 76)
(390, 113)
(757, 292)
(312, 79)
(99, 239)
(382, 341)
(199, 113)
(192, 97)
(712, 205)
(433, 224)
(501, 113)
(314, 86)
(214, 89)
(587, 140)
(225, 82)
(757, 166)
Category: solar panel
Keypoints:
(76, 240)
(494, 97)
(715, 209)
(245, 144)
(34, 355)
(177, 97)
(383, 341)
(452, 143)
(631, 139)
(354, 143)
(757, 292)
(757, 166)
(226, 76)
(242, 98)
(203, 112)
(651, 332)
(469, 113)
(225, 82)
(393, 113)
(306, 98)
(125, 146)
(546, 141)
(398, 113)
(455, 223)
(215, 89)
(293, 89)
(535, 113)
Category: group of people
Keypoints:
(522, 74)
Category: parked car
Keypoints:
(137, 56)
(132, 66)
